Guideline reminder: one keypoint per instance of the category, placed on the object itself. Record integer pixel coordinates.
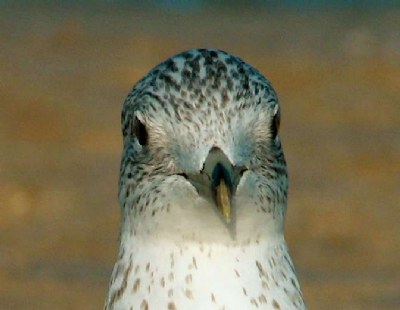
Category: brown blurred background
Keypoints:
(65, 69)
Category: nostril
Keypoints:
(242, 171)
(183, 175)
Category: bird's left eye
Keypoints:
(275, 125)
(139, 131)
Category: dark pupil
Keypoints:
(139, 130)
(275, 126)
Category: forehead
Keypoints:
(204, 81)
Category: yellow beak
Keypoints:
(218, 180)
(223, 199)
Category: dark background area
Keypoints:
(65, 69)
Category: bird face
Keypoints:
(202, 157)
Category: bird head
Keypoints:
(202, 158)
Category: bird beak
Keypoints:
(223, 200)
(218, 180)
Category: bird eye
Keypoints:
(275, 125)
(139, 131)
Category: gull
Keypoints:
(203, 191)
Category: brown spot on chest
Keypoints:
(188, 279)
(275, 304)
(262, 299)
(171, 306)
(189, 294)
(144, 305)
(254, 302)
(136, 286)
(194, 262)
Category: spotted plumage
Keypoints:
(203, 189)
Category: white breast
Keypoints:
(196, 276)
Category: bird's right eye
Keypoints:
(275, 125)
(139, 131)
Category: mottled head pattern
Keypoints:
(187, 105)
(176, 251)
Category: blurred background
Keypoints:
(67, 66)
